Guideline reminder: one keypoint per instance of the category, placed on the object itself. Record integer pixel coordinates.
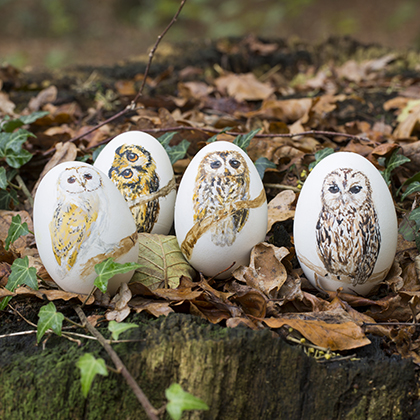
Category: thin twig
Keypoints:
(153, 50)
(144, 401)
(132, 105)
(18, 313)
(25, 190)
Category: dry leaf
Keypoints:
(280, 209)
(265, 273)
(339, 332)
(243, 87)
(120, 303)
(22, 242)
(44, 97)
(408, 121)
(155, 308)
(162, 262)
(7, 107)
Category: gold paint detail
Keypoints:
(200, 228)
(120, 249)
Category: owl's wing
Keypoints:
(369, 226)
(70, 227)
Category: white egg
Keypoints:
(81, 219)
(220, 210)
(345, 227)
(140, 167)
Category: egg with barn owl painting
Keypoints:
(81, 219)
(345, 226)
(141, 169)
(220, 210)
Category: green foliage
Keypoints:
(90, 366)
(180, 401)
(116, 328)
(243, 140)
(109, 268)
(262, 164)
(177, 152)
(12, 139)
(20, 274)
(391, 163)
(319, 155)
(49, 318)
(16, 230)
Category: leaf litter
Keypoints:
(292, 113)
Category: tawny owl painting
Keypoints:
(222, 179)
(347, 232)
(133, 171)
(76, 217)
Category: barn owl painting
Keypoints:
(133, 171)
(347, 231)
(76, 219)
(222, 180)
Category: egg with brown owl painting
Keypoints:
(220, 210)
(345, 226)
(141, 169)
(81, 219)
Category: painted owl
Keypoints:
(76, 217)
(133, 171)
(222, 179)
(347, 231)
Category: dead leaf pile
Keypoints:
(371, 113)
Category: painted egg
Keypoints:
(220, 210)
(81, 219)
(345, 227)
(140, 167)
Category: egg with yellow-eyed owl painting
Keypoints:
(141, 169)
(345, 227)
(220, 210)
(81, 219)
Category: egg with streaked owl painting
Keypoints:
(81, 219)
(141, 169)
(345, 227)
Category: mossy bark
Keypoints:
(241, 374)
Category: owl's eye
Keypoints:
(87, 176)
(71, 180)
(333, 189)
(356, 189)
(215, 164)
(132, 157)
(128, 173)
(235, 163)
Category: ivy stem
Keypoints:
(151, 411)
(25, 190)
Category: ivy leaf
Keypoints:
(319, 155)
(18, 159)
(391, 163)
(109, 268)
(16, 230)
(243, 140)
(180, 401)
(6, 197)
(214, 138)
(262, 164)
(90, 366)
(49, 318)
(11, 125)
(20, 274)
(412, 188)
(3, 178)
(408, 229)
(178, 152)
(116, 328)
(166, 138)
(415, 216)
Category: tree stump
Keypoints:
(239, 373)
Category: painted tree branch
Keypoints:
(151, 411)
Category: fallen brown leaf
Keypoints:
(280, 208)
